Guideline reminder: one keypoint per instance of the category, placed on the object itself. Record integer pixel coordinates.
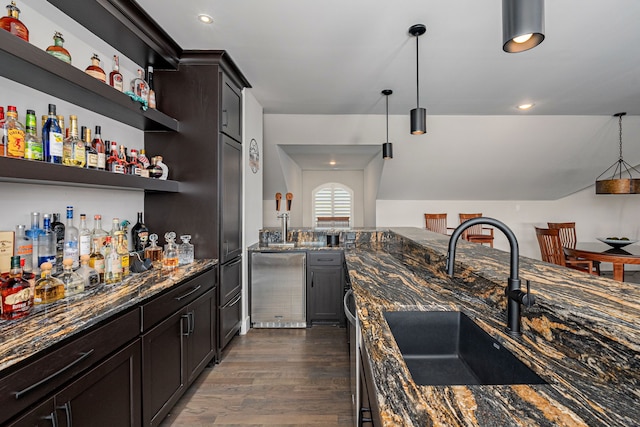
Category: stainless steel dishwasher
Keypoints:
(278, 284)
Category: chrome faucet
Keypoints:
(515, 296)
(284, 218)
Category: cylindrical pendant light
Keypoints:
(418, 115)
(522, 24)
(387, 147)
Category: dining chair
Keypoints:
(551, 251)
(568, 238)
(476, 233)
(437, 223)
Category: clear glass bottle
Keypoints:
(115, 77)
(84, 240)
(139, 234)
(32, 143)
(153, 252)
(98, 144)
(52, 137)
(73, 152)
(115, 227)
(71, 239)
(98, 232)
(57, 49)
(15, 293)
(96, 259)
(123, 252)
(163, 166)
(48, 288)
(47, 243)
(89, 275)
(112, 263)
(58, 230)
(23, 247)
(33, 233)
(139, 86)
(154, 170)
(152, 92)
(185, 250)
(73, 282)
(170, 254)
(12, 22)
(91, 152)
(13, 133)
(94, 70)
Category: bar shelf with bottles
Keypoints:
(31, 66)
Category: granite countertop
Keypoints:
(582, 336)
(49, 324)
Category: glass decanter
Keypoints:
(185, 250)
(170, 255)
(48, 288)
(73, 282)
(57, 50)
(154, 252)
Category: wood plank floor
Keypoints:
(273, 377)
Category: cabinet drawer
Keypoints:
(230, 281)
(230, 318)
(176, 298)
(39, 378)
(325, 258)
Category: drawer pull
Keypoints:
(191, 292)
(67, 411)
(324, 259)
(54, 419)
(182, 331)
(235, 300)
(83, 356)
(312, 279)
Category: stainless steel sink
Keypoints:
(448, 348)
(281, 244)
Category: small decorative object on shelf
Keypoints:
(94, 70)
(57, 50)
(185, 250)
(164, 167)
(155, 171)
(12, 22)
(115, 77)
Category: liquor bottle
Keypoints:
(134, 167)
(33, 233)
(48, 288)
(12, 22)
(143, 159)
(71, 237)
(154, 252)
(152, 93)
(115, 77)
(98, 232)
(96, 259)
(123, 253)
(47, 244)
(73, 152)
(155, 171)
(115, 227)
(84, 241)
(139, 86)
(170, 254)
(57, 49)
(13, 134)
(58, 230)
(23, 247)
(94, 70)
(3, 148)
(91, 153)
(15, 293)
(185, 250)
(32, 143)
(99, 146)
(52, 137)
(114, 164)
(63, 130)
(29, 276)
(139, 234)
(112, 263)
(73, 282)
(163, 166)
(123, 164)
(89, 275)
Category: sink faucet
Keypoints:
(515, 296)
(284, 217)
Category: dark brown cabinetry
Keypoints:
(231, 111)
(325, 287)
(42, 415)
(369, 411)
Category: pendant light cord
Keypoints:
(417, 74)
(620, 134)
(387, 96)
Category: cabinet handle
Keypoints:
(67, 411)
(225, 119)
(191, 292)
(54, 419)
(312, 279)
(182, 331)
(347, 312)
(237, 261)
(83, 356)
(324, 259)
(192, 322)
(235, 300)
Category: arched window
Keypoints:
(332, 206)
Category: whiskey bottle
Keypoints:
(112, 264)
(48, 288)
(13, 133)
(73, 282)
(92, 154)
(89, 275)
(170, 254)
(123, 253)
(100, 149)
(94, 70)
(98, 232)
(57, 49)
(152, 92)
(58, 231)
(96, 259)
(23, 247)
(32, 143)
(12, 22)
(71, 238)
(73, 152)
(47, 244)
(15, 293)
(139, 234)
(115, 77)
(52, 140)
(123, 163)
(84, 241)
(153, 252)
(140, 87)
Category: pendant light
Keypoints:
(387, 147)
(522, 24)
(622, 179)
(418, 115)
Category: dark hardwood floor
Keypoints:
(273, 377)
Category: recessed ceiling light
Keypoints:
(332, 162)
(525, 106)
(206, 19)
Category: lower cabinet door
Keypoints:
(108, 395)
(163, 373)
(201, 344)
(230, 320)
(42, 415)
(324, 295)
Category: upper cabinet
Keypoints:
(231, 111)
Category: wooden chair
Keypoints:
(437, 223)
(476, 233)
(568, 238)
(551, 251)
